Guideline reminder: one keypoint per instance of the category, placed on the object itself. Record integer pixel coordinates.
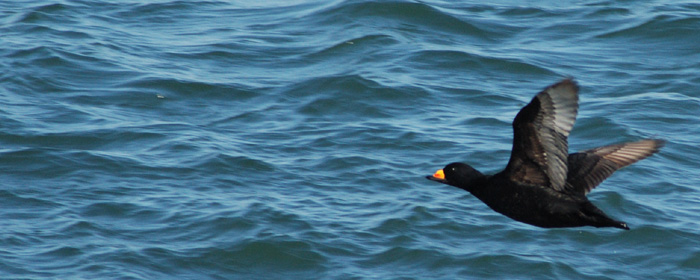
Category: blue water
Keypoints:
(290, 139)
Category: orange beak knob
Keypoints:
(439, 174)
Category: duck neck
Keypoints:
(476, 186)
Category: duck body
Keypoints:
(540, 206)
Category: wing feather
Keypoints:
(540, 137)
(587, 169)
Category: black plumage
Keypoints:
(544, 185)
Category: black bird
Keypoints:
(543, 185)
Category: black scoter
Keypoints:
(543, 185)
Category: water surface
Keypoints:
(290, 139)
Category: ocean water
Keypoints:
(290, 139)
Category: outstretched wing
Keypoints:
(589, 168)
(541, 129)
